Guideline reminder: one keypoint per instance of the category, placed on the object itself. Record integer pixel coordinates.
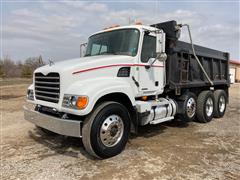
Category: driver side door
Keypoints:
(149, 77)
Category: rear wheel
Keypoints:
(187, 107)
(106, 130)
(205, 106)
(220, 103)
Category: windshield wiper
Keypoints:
(116, 53)
(87, 55)
(123, 53)
(103, 53)
(110, 53)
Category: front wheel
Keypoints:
(105, 131)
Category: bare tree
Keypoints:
(1, 68)
(30, 65)
(9, 68)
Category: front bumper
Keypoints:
(61, 126)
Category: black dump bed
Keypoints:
(183, 70)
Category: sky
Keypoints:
(55, 29)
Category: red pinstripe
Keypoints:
(113, 65)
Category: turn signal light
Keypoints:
(81, 102)
(113, 26)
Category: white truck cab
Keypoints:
(118, 85)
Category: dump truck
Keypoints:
(130, 76)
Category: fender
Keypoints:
(97, 88)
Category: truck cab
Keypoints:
(118, 85)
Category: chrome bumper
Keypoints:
(61, 126)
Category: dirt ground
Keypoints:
(172, 150)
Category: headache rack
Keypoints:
(47, 87)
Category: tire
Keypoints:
(220, 103)
(45, 131)
(99, 130)
(187, 107)
(205, 106)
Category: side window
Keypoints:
(148, 48)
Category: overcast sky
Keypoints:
(56, 29)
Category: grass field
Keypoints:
(14, 81)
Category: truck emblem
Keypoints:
(50, 62)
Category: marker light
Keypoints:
(30, 94)
(113, 26)
(138, 23)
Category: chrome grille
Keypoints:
(47, 88)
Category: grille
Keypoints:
(47, 88)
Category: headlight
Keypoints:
(74, 101)
(30, 95)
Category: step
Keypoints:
(157, 121)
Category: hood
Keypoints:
(77, 64)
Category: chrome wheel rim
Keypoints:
(209, 106)
(222, 104)
(191, 107)
(111, 131)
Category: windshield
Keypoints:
(120, 42)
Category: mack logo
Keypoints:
(44, 73)
(50, 62)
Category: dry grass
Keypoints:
(14, 81)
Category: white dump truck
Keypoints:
(130, 76)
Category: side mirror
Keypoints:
(160, 42)
(160, 48)
(160, 45)
(83, 47)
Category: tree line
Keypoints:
(10, 69)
